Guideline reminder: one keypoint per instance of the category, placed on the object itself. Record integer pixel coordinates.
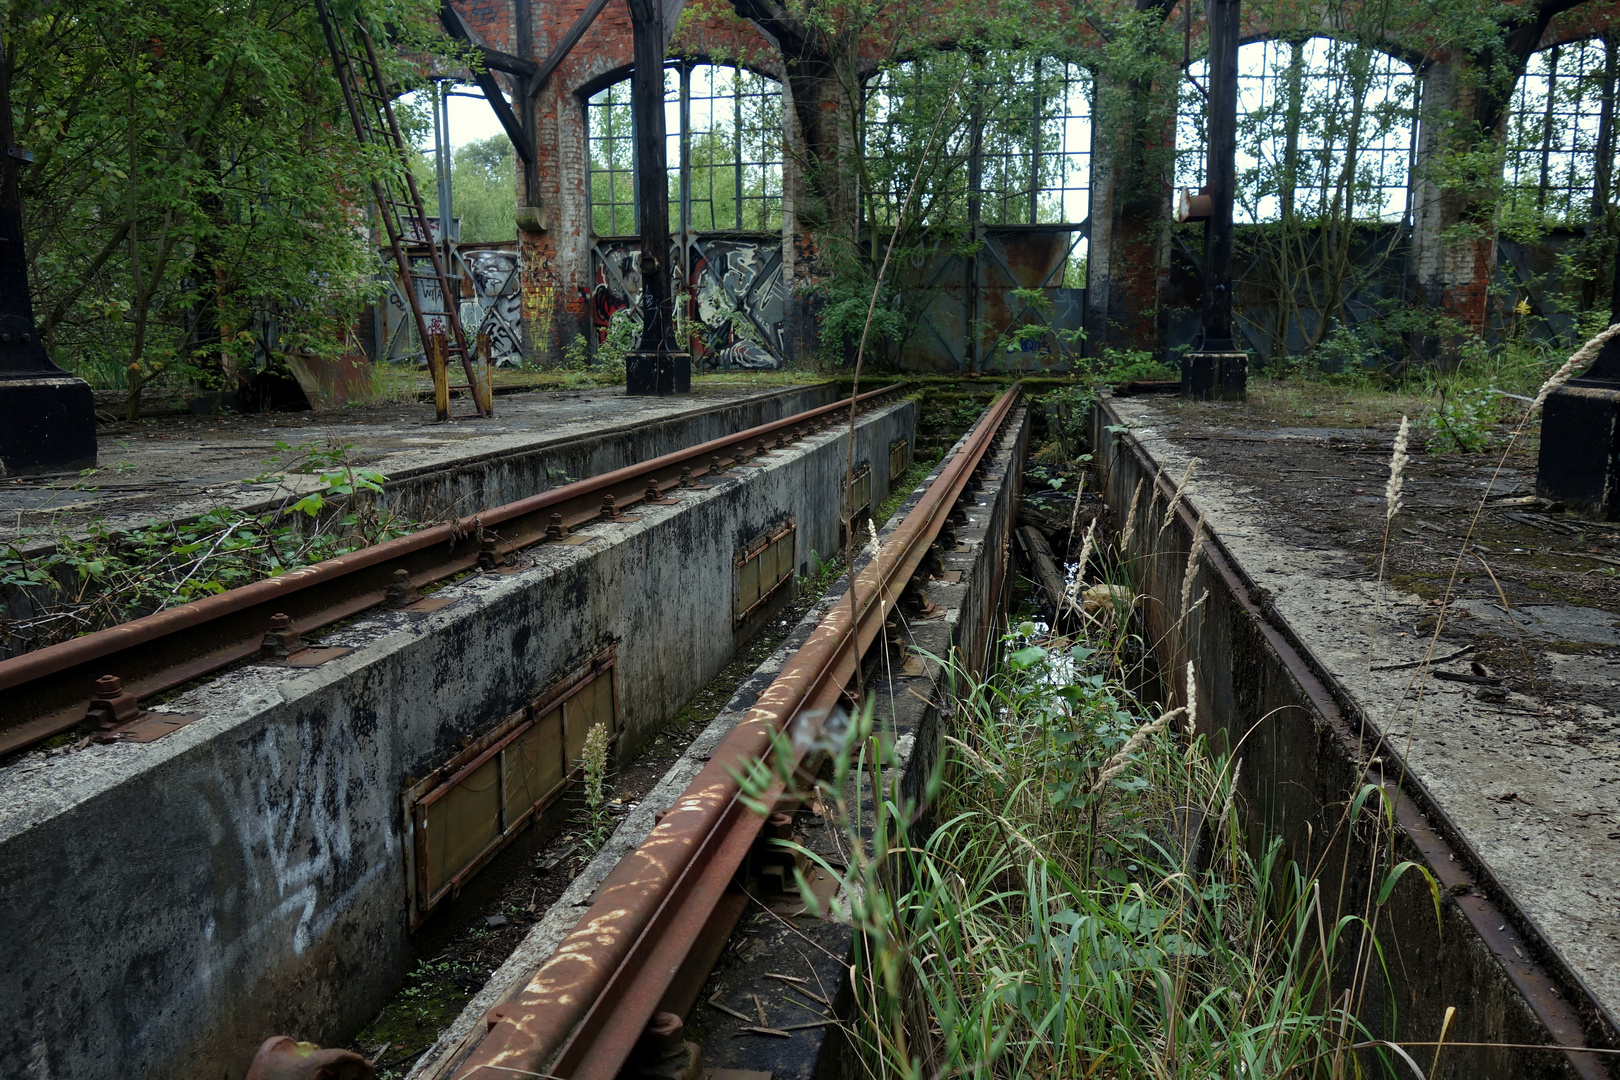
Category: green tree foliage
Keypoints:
(482, 183)
(197, 206)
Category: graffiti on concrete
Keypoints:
(732, 307)
(491, 303)
(496, 304)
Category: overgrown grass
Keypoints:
(1464, 406)
(1089, 903)
(100, 576)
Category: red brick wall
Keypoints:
(556, 270)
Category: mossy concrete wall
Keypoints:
(165, 907)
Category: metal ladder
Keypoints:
(354, 63)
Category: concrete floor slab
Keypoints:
(1531, 779)
(172, 466)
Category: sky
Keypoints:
(471, 118)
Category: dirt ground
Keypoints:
(1326, 483)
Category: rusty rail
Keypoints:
(46, 692)
(583, 1011)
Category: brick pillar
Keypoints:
(1453, 262)
(801, 336)
(1129, 257)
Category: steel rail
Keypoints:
(46, 692)
(582, 1012)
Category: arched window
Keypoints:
(610, 137)
(733, 120)
(1019, 152)
(724, 152)
(1556, 133)
(1325, 129)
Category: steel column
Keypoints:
(1217, 369)
(655, 367)
(47, 417)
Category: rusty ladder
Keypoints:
(399, 205)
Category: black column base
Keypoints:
(1215, 376)
(1579, 464)
(47, 424)
(658, 373)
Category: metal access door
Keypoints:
(976, 300)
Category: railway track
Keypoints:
(100, 679)
(638, 946)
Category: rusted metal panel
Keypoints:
(899, 458)
(330, 384)
(971, 308)
(468, 809)
(763, 566)
(858, 494)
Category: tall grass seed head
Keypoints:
(1582, 357)
(1130, 519)
(1175, 500)
(1192, 567)
(1397, 467)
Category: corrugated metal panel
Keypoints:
(763, 566)
(899, 458)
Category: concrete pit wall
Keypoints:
(969, 617)
(1304, 759)
(467, 485)
(167, 906)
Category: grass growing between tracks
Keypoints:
(1087, 903)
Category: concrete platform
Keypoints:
(191, 465)
(1530, 777)
(163, 468)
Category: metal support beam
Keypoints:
(453, 25)
(1221, 175)
(1217, 369)
(47, 417)
(656, 367)
(565, 46)
(512, 65)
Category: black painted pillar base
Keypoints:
(47, 423)
(659, 373)
(1215, 376)
(1579, 464)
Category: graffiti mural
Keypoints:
(491, 303)
(496, 304)
(537, 295)
(732, 305)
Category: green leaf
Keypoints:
(1398, 872)
(1027, 657)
